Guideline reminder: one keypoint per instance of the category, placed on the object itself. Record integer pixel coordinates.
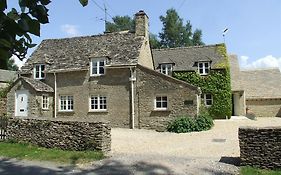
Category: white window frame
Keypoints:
(45, 102)
(68, 104)
(204, 68)
(41, 73)
(166, 69)
(101, 103)
(98, 67)
(204, 97)
(161, 101)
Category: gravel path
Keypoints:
(150, 152)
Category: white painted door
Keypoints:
(21, 103)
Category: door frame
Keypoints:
(16, 102)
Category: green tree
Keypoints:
(175, 33)
(12, 65)
(18, 26)
(120, 23)
(154, 42)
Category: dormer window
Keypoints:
(166, 69)
(97, 67)
(39, 71)
(203, 68)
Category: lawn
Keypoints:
(255, 171)
(31, 152)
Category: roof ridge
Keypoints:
(189, 47)
(259, 69)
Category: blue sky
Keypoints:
(254, 25)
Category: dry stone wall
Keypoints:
(3, 108)
(66, 135)
(260, 147)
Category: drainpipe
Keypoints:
(132, 80)
(55, 98)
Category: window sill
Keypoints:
(65, 111)
(98, 111)
(161, 109)
(45, 109)
(97, 75)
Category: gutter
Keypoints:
(132, 79)
(55, 98)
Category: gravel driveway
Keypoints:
(150, 152)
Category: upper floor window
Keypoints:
(98, 103)
(45, 102)
(97, 67)
(161, 103)
(208, 99)
(66, 103)
(203, 68)
(39, 71)
(166, 69)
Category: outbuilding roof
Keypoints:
(7, 75)
(184, 58)
(74, 53)
(37, 85)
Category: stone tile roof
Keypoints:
(74, 53)
(37, 85)
(184, 58)
(235, 73)
(261, 83)
(7, 75)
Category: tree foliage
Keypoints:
(177, 34)
(17, 27)
(120, 23)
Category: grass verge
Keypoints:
(256, 171)
(31, 152)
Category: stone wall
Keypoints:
(66, 135)
(260, 147)
(151, 84)
(3, 106)
(265, 107)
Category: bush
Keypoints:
(185, 124)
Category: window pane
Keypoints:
(208, 96)
(206, 65)
(200, 65)
(158, 104)
(101, 63)
(201, 71)
(101, 70)
(164, 98)
(158, 99)
(164, 104)
(94, 70)
(208, 102)
(94, 63)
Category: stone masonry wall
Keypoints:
(66, 135)
(3, 106)
(260, 147)
(265, 107)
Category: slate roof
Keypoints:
(235, 73)
(37, 85)
(261, 83)
(7, 75)
(74, 53)
(184, 58)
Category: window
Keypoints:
(66, 103)
(203, 68)
(39, 71)
(166, 69)
(98, 103)
(208, 99)
(97, 67)
(161, 102)
(45, 102)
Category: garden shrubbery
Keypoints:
(184, 124)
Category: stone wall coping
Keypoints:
(259, 128)
(63, 120)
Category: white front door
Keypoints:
(21, 103)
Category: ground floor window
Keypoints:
(161, 103)
(208, 99)
(66, 103)
(45, 102)
(98, 103)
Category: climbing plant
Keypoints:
(217, 83)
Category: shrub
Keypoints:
(185, 124)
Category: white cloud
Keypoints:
(18, 62)
(265, 62)
(70, 30)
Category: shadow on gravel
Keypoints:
(16, 167)
(230, 160)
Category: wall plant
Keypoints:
(217, 83)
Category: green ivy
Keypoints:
(217, 83)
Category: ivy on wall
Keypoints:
(217, 83)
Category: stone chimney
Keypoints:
(141, 24)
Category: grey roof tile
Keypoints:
(37, 85)
(74, 53)
(184, 58)
(7, 75)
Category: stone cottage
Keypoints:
(204, 66)
(102, 77)
(256, 91)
